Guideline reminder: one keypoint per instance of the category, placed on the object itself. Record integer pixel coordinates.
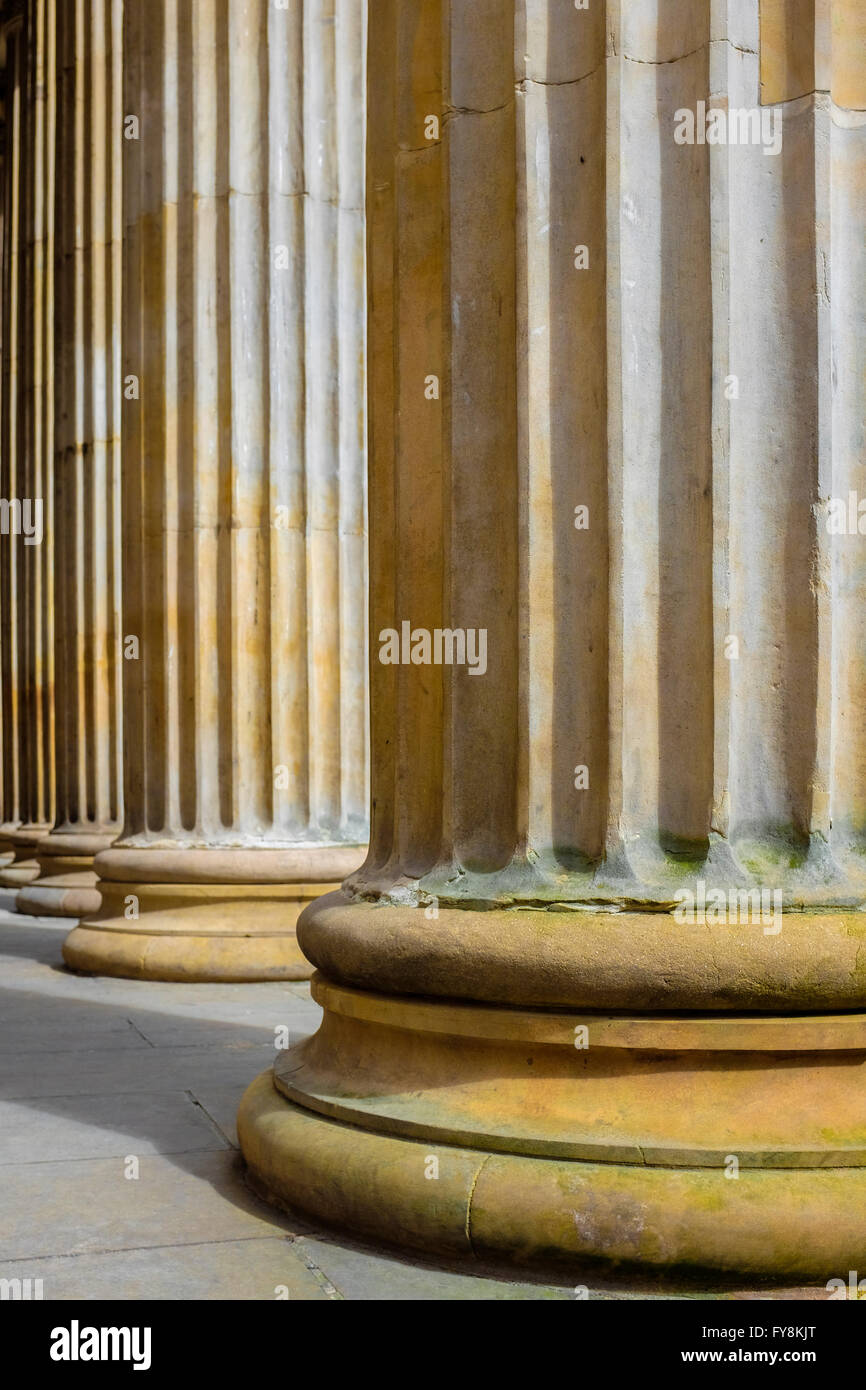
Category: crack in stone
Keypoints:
(468, 1226)
(449, 112)
(567, 82)
(663, 62)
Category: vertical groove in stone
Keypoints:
(824, 596)
(405, 249)
(289, 676)
(236, 578)
(33, 462)
(847, 161)
(562, 102)
(87, 390)
(249, 238)
(609, 755)
(69, 351)
(350, 84)
(724, 57)
(381, 200)
(133, 522)
(221, 320)
(4, 93)
(787, 47)
(813, 46)
(10, 424)
(774, 449)
(666, 483)
(321, 241)
(848, 54)
(481, 445)
(180, 600)
(419, 233)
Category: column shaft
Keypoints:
(10, 685)
(87, 387)
(29, 447)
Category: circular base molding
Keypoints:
(72, 894)
(199, 914)
(67, 883)
(561, 958)
(509, 1209)
(722, 1142)
(194, 932)
(24, 866)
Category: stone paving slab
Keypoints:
(88, 1206)
(75, 1033)
(360, 1275)
(263, 1269)
(65, 1072)
(202, 1033)
(53, 1128)
(221, 1104)
(31, 941)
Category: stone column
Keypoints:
(7, 854)
(243, 488)
(599, 988)
(87, 388)
(28, 446)
(10, 784)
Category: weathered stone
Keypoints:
(243, 491)
(27, 449)
(87, 403)
(813, 46)
(598, 989)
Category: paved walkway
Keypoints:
(121, 1176)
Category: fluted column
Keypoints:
(28, 444)
(7, 854)
(10, 784)
(599, 988)
(87, 388)
(243, 488)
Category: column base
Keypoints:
(205, 921)
(24, 865)
(510, 1210)
(725, 1141)
(66, 886)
